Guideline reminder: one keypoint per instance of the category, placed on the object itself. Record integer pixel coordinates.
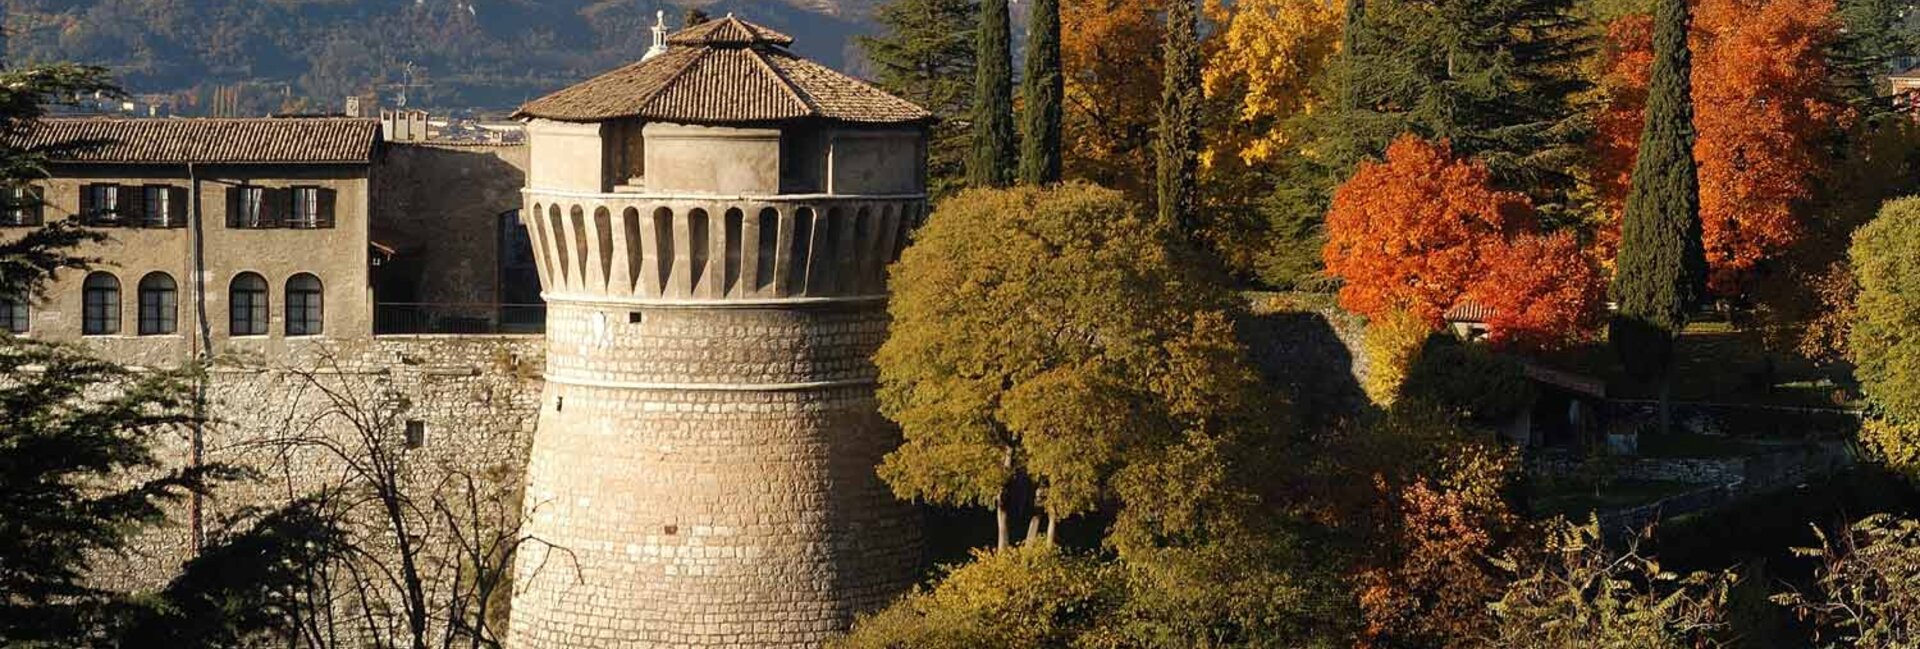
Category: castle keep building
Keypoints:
(711, 227)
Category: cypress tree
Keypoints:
(993, 159)
(1178, 147)
(1042, 89)
(1662, 264)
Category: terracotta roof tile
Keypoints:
(721, 72)
(729, 31)
(1469, 311)
(291, 140)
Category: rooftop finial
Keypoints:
(659, 36)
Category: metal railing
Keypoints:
(458, 318)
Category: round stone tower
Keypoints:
(712, 226)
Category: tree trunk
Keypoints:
(1000, 517)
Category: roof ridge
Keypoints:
(787, 84)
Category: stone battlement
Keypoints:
(639, 248)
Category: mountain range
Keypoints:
(257, 56)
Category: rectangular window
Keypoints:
(100, 204)
(248, 207)
(13, 315)
(158, 210)
(158, 310)
(23, 206)
(305, 212)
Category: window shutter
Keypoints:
(87, 208)
(177, 206)
(276, 206)
(325, 198)
(127, 205)
(233, 206)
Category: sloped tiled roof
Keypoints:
(729, 31)
(1469, 311)
(275, 140)
(721, 72)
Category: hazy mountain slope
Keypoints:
(465, 53)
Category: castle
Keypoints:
(712, 226)
(706, 232)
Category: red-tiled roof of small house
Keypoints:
(1469, 311)
(265, 140)
(726, 71)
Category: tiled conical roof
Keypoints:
(725, 71)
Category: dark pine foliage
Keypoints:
(925, 54)
(1662, 266)
(1178, 147)
(992, 161)
(1043, 89)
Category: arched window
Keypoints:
(100, 305)
(14, 315)
(159, 304)
(247, 306)
(304, 314)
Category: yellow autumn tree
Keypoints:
(1110, 55)
(1260, 70)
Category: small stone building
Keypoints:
(712, 227)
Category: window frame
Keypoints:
(257, 318)
(100, 205)
(303, 207)
(305, 306)
(251, 208)
(16, 315)
(159, 306)
(100, 305)
(158, 208)
(26, 208)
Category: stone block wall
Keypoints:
(290, 420)
(704, 477)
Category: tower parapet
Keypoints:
(712, 227)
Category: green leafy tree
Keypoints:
(1885, 340)
(1043, 89)
(1031, 596)
(1177, 150)
(992, 161)
(1042, 343)
(1661, 269)
(925, 54)
(1884, 336)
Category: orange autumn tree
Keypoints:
(1761, 107)
(1424, 231)
(1543, 291)
(1110, 49)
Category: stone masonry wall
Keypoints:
(287, 419)
(705, 479)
